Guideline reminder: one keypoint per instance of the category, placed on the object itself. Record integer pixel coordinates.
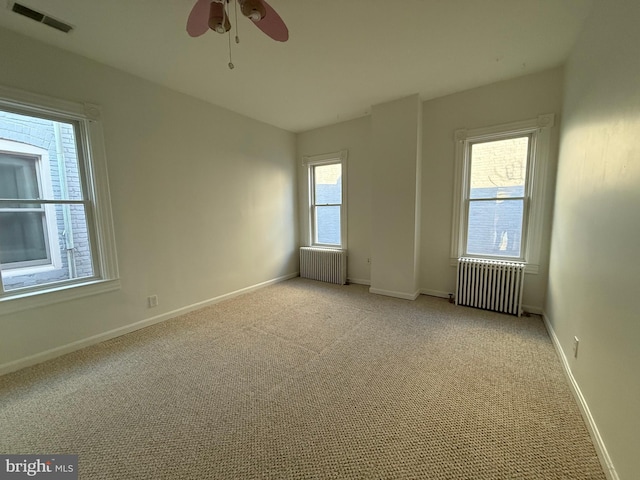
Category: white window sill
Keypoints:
(16, 272)
(24, 301)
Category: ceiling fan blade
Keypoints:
(272, 25)
(198, 22)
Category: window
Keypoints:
(55, 218)
(327, 210)
(28, 233)
(498, 200)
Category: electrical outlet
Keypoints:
(576, 342)
(152, 301)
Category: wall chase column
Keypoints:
(395, 197)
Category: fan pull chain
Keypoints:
(237, 24)
(231, 65)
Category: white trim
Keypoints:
(13, 97)
(325, 158)
(97, 201)
(539, 129)
(391, 293)
(359, 281)
(55, 294)
(497, 131)
(309, 161)
(436, 293)
(601, 449)
(34, 270)
(117, 332)
(97, 176)
(458, 204)
(538, 175)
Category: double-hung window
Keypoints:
(55, 220)
(326, 176)
(499, 191)
(28, 232)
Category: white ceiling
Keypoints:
(342, 55)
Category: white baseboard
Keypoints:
(391, 293)
(601, 449)
(117, 332)
(434, 293)
(359, 281)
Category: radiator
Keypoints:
(490, 285)
(324, 264)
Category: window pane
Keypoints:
(495, 228)
(328, 184)
(327, 226)
(18, 179)
(498, 169)
(22, 237)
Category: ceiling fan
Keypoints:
(213, 14)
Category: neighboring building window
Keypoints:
(28, 232)
(327, 209)
(499, 191)
(55, 217)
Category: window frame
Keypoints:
(310, 162)
(526, 197)
(96, 198)
(41, 158)
(539, 131)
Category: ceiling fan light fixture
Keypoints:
(218, 18)
(254, 10)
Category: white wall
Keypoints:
(204, 200)
(594, 278)
(513, 100)
(355, 136)
(522, 98)
(395, 197)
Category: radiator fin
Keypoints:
(324, 264)
(490, 285)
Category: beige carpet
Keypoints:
(305, 380)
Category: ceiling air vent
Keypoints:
(40, 17)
